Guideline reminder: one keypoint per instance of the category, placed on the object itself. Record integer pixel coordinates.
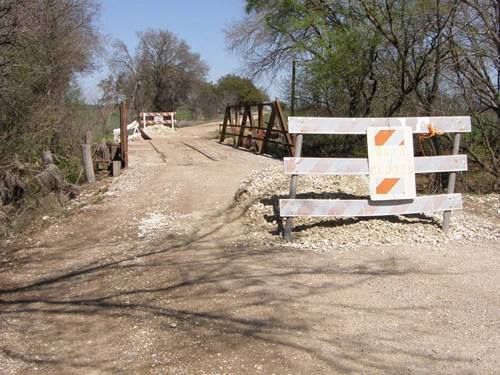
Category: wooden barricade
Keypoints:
(258, 132)
(157, 118)
(298, 165)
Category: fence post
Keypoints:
(227, 115)
(87, 158)
(451, 182)
(270, 125)
(123, 134)
(260, 125)
(242, 128)
(116, 167)
(283, 127)
(293, 188)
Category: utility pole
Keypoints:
(292, 96)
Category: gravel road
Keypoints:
(161, 271)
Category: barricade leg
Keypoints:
(293, 188)
(451, 182)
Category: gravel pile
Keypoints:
(258, 200)
(158, 131)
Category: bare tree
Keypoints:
(475, 49)
(168, 68)
(161, 74)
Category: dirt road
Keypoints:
(152, 278)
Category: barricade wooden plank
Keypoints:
(152, 114)
(365, 207)
(347, 125)
(359, 166)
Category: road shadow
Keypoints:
(199, 290)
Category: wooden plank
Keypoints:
(359, 166)
(260, 139)
(256, 128)
(365, 207)
(346, 125)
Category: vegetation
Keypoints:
(44, 45)
(354, 58)
(161, 75)
(234, 90)
(386, 58)
(164, 75)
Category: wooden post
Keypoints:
(117, 166)
(270, 125)
(260, 124)
(172, 119)
(242, 128)
(227, 116)
(451, 182)
(283, 127)
(87, 158)
(124, 134)
(292, 95)
(293, 188)
(253, 133)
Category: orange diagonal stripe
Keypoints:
(382, 136)
(386, 185)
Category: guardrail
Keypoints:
(298, 165)
(248, 130)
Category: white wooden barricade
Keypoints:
(132, 127)
(299, 165)
(158, 118)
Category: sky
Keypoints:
(200, 23)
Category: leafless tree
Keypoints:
(475, 49)
(161, 74)
(168, 68)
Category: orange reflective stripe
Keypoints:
(386, 185)
(382, 136)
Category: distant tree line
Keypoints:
(163, 74)
(386, 58)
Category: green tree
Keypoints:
(384, 58)
(235, 90)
